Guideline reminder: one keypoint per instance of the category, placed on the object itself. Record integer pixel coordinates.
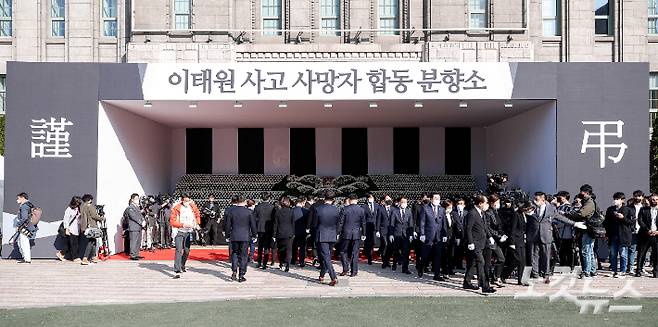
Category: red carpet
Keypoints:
(202, 254)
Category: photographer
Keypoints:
(135, 219)
(89, 219)
(26, 229)
(163, 222)
(210, 215)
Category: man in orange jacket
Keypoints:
(185, 217)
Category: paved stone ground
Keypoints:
(47, 283)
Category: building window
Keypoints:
(57, 20)
(653, 93)
(5, 18)
(389, 16)
(182, 14)
(330, 16)
(550, 12)
(110, 18)
(477, 12)
(653, 16)
(271, 17)
(3, 93)
(602, 17)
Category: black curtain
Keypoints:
(354, 151)
(302, 151)
(198, 154)
(458, 151)
(406, 150)
(251, 154)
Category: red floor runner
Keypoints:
(198, 254)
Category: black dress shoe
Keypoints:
(406, 272)
(353, 274)
(489, 290)
(439, 278)
(263, 267)
(394, 267)
(234, 276)
(177, 276)
(140, 257)
(523, 284)
(370, 262)
(470, 286)
(302, 265)
(384, 266)
(420, 273)
(533, 275)
(134, 258)
(343, 273)
(242, 280)
(183, 269)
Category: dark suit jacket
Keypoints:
(644, 219)
(517, 229)
(284, 223)
(352, 222)
(134, 217)
(619, 230)
(402, 225)
(374, 216)
(457, 228)
(493, 223)
(264, 214)
(384, 221)
(327, 218)
(434, 228)
(476, 231)
(300, 214)
(312, 219)
(240, 225)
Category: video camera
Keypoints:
(100, 208)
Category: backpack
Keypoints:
(595, 223)
(35, 213)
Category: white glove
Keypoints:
(273, 239)
(228, 240)
(492, 241)
(363, 237)
(471, 246)
(391, 238)
(411, 239)
(503, 238)
(337, 236)
(308, 231)
(444, 239)
(422, 238)
(415, 235)
(512, 246)
(144, 223)
(254, 240)
(580, 225)
(377, 234)
(457, 241)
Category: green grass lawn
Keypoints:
(442, 311)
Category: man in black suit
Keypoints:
(240, 229)
(325, 221)
(434, 235)
(211, 214)
(648, 236)
(454, 234)
(400, 234)
(352, 230)
(477, 237)
(382, 232)
(264, 214)
(618, 223)
(373, 211)
(516, 257)
(635, 205)
(310, 229)
(300, 214)
(495, 250)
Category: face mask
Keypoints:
(403, 206)
(18, 201)
(618, 202)
(529, 213)
(388, 202)
(448, 210)
(371, 200)
(637, 201)
(436, 202)
(460, 207)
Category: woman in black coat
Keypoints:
(284, 231)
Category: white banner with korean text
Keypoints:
(327, 81)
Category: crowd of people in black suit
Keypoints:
(491, 236)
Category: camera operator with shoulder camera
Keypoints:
(135, 220)
(210, 213)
